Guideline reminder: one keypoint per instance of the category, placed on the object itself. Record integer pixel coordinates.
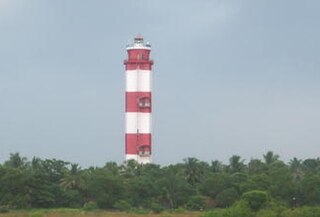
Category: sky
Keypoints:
(230, 77)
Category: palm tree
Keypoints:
(193, 170)
(311, 165)
(296, 168)
(16, 161)
(270, 157)
(112, 167)
(73, 179)
(216, 166)
(256, 166)
(236, 164)
(130, 169)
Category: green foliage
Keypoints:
(197, 202)
(227, 197)
(194, 170)
(270, 158)
(175, 190)
(236, 164)
(267, 213)
(37, 214)
(310, 190)
(239, 210)
(90, 206)
(156, 207)
(16, 161)
(72, 199)
(281, 186)
(139, 211)
(122, 205)
(255, 199)
(213, 184)
(104, 188)
(195, 185)
(302, 212)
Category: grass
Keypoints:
(81, 213)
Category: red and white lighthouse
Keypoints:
(138, 101)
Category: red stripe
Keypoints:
(138, 54)
(138, 102)
(138, 59)
(134, 141)
(136, 65)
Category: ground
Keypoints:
(79, 213)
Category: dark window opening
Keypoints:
(144, 102)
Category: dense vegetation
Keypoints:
(193, 184)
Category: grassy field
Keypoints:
(79, 213)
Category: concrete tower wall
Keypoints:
(138, 105)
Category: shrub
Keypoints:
(139, 211)
(239, 209)
(256, 199)
(227, 197)
(235, 211)
(197, 202)
(156, 208)
(89, 206)
(215, 213)
(267, 213)
(302, 212)
(122, 205)
(72, 199)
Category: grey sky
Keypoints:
(230, 77)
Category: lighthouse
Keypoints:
(138, 101)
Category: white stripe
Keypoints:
(139, 159)
(144, 160)
(138, 48)
(138, 80)
(138, 122)
(131, 157)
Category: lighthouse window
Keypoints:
(144, 102)
(144, 151)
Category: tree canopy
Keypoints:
(192, 184)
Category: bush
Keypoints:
(256, 199)
(230, 212)
(215, 213)
(267, 213)
(302, 212)
(89, 206)
(227, 197)
(197, 202)
(156, 208)
(178, 210)
(122, 205)
(240, 209)
(72, 199)
(139, 211)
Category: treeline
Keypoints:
(192, 184)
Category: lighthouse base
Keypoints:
(141, 159)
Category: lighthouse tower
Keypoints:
(138, 101)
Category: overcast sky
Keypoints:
(230, 77)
